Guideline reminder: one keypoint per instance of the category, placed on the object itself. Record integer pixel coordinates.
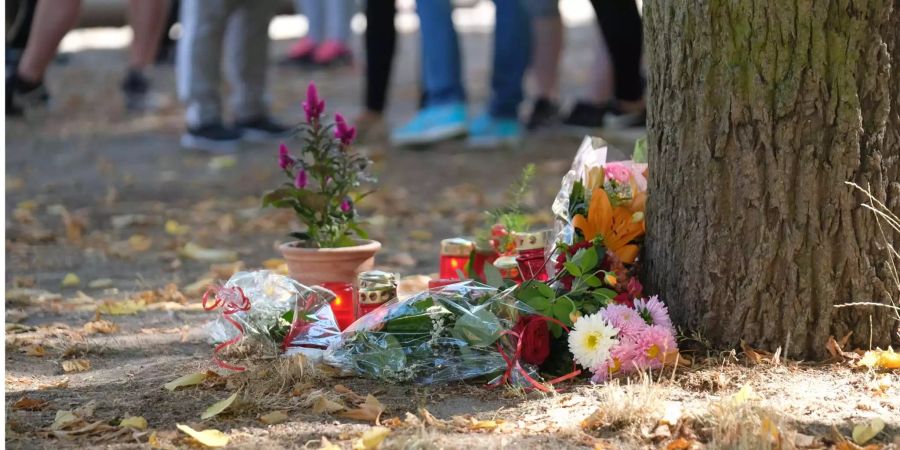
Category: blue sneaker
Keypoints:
(432, 124)
(490, 131)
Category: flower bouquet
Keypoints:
(455, 332)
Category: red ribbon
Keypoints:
(513, 363)
(232, 300)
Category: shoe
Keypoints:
(617, 119)
(302, 51)
(586, 115)
(432, 124)
(135, 86)
(24, 96)
(489, 131)
(332, 53)
(371, 128)
(261, 129)
(213, 138)
(545, 112)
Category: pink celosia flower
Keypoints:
(301, 180)
(654, 312)
(345, 205)
(627, 320)
(618, 172)
(313, 107)
(284, 158)
(342, 131)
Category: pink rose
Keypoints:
(618, 172)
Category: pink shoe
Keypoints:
(302, 49)
(332, 52)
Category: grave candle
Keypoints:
(530, 258)
(374, 289)
(343, 306)
(455, 254)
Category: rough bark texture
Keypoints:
(759, 110)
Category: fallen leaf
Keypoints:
(176, 229)
(100, 326)
(63, 419)
(680, 444)
(100, 283)
(371, 439)
(30, 404)
(483, 424)
(140, 243)
(122, 307)
(218, 407)
(136, 422)
(864, 432)
(881, 359)
(353, 396)
(274, 417)
(221, 162)
(76, 365)
(369, 411)
(34, 350)
(324, 405)
(196, 252)
(746, 393)
(752, 355)
(70, 280)
(186, 380)
(209, 438)
(153, 441)
(327, 445)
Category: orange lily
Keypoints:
(615, 225)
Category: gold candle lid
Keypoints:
(377, 280)
(456, 247)
(532, 240)
(506, 263)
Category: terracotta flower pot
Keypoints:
(312, 266)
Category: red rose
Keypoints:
(624, 299)
(534, 333)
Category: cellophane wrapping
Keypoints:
(451, 333)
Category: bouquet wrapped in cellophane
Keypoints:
(455, 332)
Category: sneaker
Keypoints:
(261, 129)
(302, 51)
(617, 119)
(332, 53)
(586, 115)
(432, 124)
(490, 131)
(545, 112)
(213, 138)
(24, 96)
(135, 86)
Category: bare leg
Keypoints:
(147, 18)
(52, 20)
(601, 90)
(547, 49)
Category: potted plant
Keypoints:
(321, 189)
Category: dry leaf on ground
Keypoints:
(76, 365)
(121, 308)
(100, 326)
(327, 445)
(209, 438)
(864, 432)
(218, 407)
(136, 422)
(34, 350)
(140, 243)
(324, 405)
(881, 359)
(369, 411)
(347, 392)
(30, 404)
(70, 280)
(63, 419)
(371, 439)
(274, 417)
(194, 251)
(186, 380)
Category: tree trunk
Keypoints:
(758, 113)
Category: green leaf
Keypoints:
(363, 234)
(461, 275)
(218, 407)
(586, 259)
(605, 293)
(592, 281)
(540, 304)
(492, 276)
(573, 269)
(562, 308)
(555, 330)
(589, 308)
(640, 150)
(546, 290)
(478, 327)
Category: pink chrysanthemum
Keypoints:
(652, 345)
(627, 320)
(653, 312)
(621, 359)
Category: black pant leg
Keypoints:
(381, 39)
(620, 23)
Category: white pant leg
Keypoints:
(198, 59)
(247, 57)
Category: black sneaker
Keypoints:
(617, 119)
(135, 86)
(261, 129)
(586, 115)
(23, 96)
(213, 138)
(544, 113)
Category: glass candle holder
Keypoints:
(509, 268)
(344, 304)
(486, 254)
(530, 257)
(374, 288)
(455, 255)
(439, 282)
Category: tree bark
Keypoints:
(758, 112)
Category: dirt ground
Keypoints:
(110, 198)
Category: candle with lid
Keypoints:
(455, 253)
(343, 306)
(530, 257)
(485, 253)
(508, 268)
(374, 289)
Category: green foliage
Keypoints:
(510, 215)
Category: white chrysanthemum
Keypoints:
(591, 339)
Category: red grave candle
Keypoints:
(483, 255)
(455, 254)
(343, 306)
(508, 268)
(530, 258)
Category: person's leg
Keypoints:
(547, 29)
(302, 50)
(589, 113)
(247, 46)
(198, 66)
(512, 53)
(52, 20)
(444, 114)
(147, 18)
(337, 32)
(620, 23)
(380, 42)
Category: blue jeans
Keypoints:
(442, 66)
